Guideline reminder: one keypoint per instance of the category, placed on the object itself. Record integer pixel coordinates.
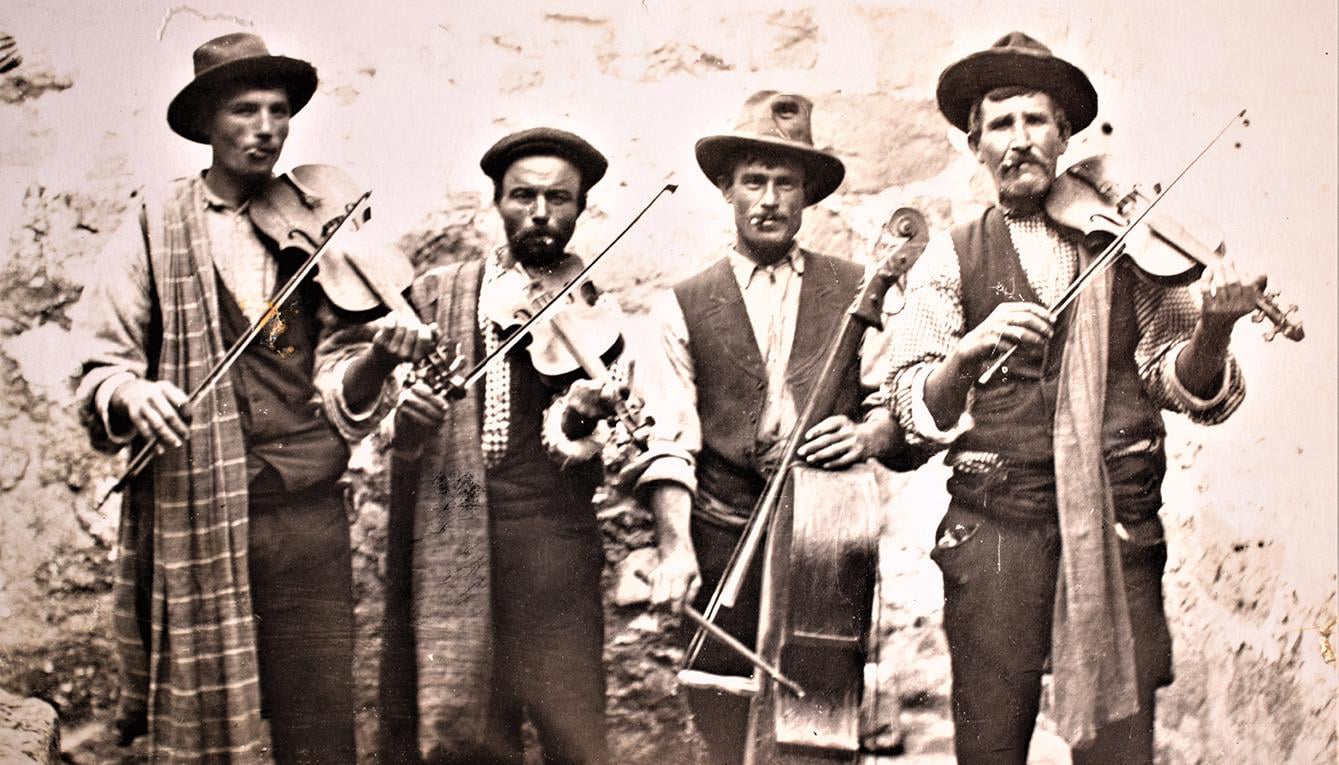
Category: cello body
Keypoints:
(819, 569)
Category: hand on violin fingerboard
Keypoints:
(1226, 294)
(588, 402)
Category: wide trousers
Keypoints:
(722, 718)
(999, 592)
(302, 599)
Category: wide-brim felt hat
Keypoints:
(545, 141)
(239, 57)
(1016, 60)
(773, 123)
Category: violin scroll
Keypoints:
(1281, 318)
(440, 369)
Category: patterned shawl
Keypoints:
(192, 668)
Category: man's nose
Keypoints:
(1020, 138)
(541, 211)
(264, 123)
(769, 197)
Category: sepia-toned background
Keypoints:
(412, 93)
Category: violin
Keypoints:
(290, 217)
(299, 209)
(441, 369)
(1087, 198)
(580, 337)
(1115, 220)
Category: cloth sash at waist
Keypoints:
(1026, 491)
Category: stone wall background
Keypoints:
(412, 95)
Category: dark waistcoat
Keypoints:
(1015, 411)
(527, 482)
(280, 411)
(731, 378)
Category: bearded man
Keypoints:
(493, 607)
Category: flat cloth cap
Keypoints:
(545, 141)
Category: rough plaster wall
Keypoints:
(411, 96)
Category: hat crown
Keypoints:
(1018, 41)
(769, 114)
(228, 48)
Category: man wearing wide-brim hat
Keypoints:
(233, 603)
(1052, 550)
(740, 346)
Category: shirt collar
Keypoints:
(213, 202)
(745, 269)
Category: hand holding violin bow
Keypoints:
(1115, 218)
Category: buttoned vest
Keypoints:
(280, 409)
(1015, 411)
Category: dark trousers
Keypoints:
(548, 639)
(999, 592)
(302, 597)
(722, 718)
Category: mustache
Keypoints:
(1019, 158)
(767, 217)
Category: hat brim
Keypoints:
(823, 171)
(964, 83)
(184, 114)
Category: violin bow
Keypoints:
(1112, 252)
(905, 222)
(146, 453)
(456, 385)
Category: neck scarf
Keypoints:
(1092, 643)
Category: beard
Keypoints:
(1025, 184)
(538, 248)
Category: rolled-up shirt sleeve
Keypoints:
(341, 341)
(1167, 317)
(923, 333)
(110, 327)
(665, 382)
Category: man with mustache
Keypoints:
(741, 344)
(493, 607)
(1052, 551)
(233, 598)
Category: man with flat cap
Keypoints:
(740, 346)
(234, 597)
(494, 556)
(1052, 551)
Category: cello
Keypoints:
(821, 534)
